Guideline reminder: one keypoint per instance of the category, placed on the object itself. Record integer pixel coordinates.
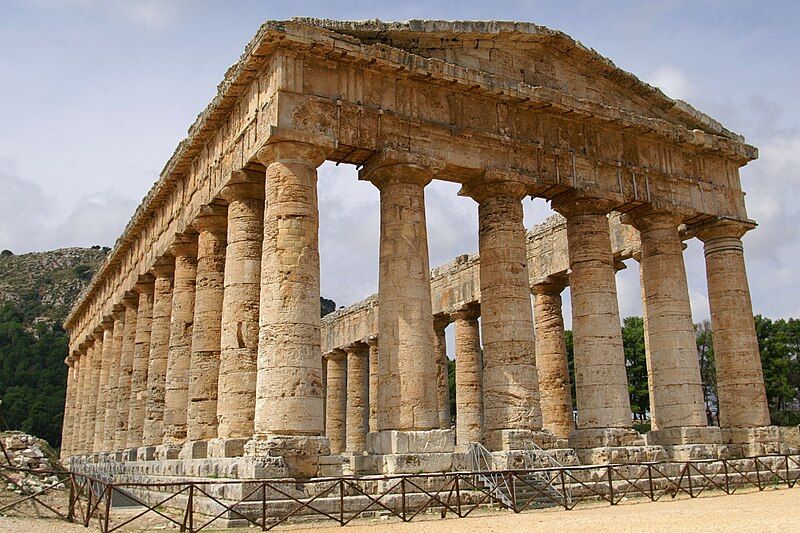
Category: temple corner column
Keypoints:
(289, 418)
(743, 409)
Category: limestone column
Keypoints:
(372, 342)
(131, 303)
(84, 370)
(112, 403)
(551, 359)
(289, 387)
(239, 339)
(141, 360)
(176, 389)
(510, 387)
(336, 400)
(740, 381)
(153, 431)
(357, 398)
(97, 360)
(103, 388)
(637, 256)
(442, 384)
(601, 381)
(69, 409)
(469, 378)
(406, 361)
(676, 387)
(204, 363)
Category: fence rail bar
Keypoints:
(404, 496)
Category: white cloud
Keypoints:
(672, 81)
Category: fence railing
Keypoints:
(196, 505)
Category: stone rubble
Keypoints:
(28, 452)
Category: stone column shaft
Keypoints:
(357, 398)
(551, 360)
(112, 403)
(740, 380)
(141, 361)
(97, 360)
(130, 301)
(372, 342)
(69, 407)
(153, 431)
(239, 342)
(289, 382)
(176, 389)
(469, 379)
(674, 369)
(601, 381)
(406, 362)
(510, 387)
(336, 400)
(442, 382)
(103, 387)
(84, 369)
(209, 291)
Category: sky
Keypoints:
(96, 94)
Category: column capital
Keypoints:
(292, 146)
(97, 333)
(144, 284)
(335, 355)
(357, 348)
(163, 267)
(130, 300)
(440, 322)
(494, 184)
(372, 341)
(578, 203)
(553, 286)
(647, 217)
(118, 312)
(724, 228)
(243, 187)
(405, 167)
(185, 244)
(469, 312)
(107, 323)
(212, 218)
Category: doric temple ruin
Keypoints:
(198, 347)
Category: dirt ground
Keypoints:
(771, 510)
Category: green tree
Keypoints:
(636, 365)
(32, 374)
(708, 367)
(778, 345)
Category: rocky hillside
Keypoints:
(36, 292)
(46, 284)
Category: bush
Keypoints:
(785, 418)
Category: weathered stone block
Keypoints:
(299, 453)
(605, 437)
(226, 447)
(393, 442)
(684, 436)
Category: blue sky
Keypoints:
(95, 95)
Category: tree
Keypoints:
(779, 347)
(708, 367)
(636, 365)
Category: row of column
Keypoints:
(219, 343)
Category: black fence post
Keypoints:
(610, 484)
(564, 489)
(264, 506)
(71, 507)
(341, 502)
(403, 498)
(650, 482)
(109, 494)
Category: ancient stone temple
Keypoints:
(199, 342)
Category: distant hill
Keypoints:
(36, 292)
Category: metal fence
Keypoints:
(196, 505)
